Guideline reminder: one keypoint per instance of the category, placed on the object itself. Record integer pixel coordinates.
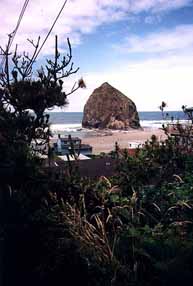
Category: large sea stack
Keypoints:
(107, 107)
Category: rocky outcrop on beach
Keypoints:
(108, 108)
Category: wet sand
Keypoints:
(130, 139)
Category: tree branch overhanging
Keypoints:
(23, 90)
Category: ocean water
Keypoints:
(70, 122)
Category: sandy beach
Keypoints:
(106, 143)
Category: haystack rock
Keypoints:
(107, 107)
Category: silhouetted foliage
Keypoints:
(135, 228)
(25, 95)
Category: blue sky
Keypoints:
(142, 47)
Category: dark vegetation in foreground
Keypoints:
(135, 228)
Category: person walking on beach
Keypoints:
(59, 144)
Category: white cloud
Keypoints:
(167, 72)
(177, 39)
(79, 16)
(157, 5)
(147, 83)
(151, 19)
(167, 76)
